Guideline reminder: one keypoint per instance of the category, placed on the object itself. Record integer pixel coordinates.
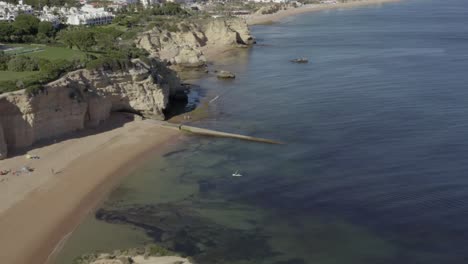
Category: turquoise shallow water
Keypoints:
(375, 169)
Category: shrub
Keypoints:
(46, 28)
(4, 59)
(7, 86)
(23, 63)
(34, 89)
(108, 63)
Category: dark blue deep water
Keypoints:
(375, 169)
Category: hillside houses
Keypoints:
(88, 15)
(8, 12)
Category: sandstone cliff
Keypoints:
(185, 47)
(80, 99)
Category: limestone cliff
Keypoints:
(80, 99)
(185, 47)
(3, 146)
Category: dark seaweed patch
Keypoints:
(181, 229)
(171, 153)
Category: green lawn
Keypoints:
(46, 52)
(9, 75)
(39, 51)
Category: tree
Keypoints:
(107, 38)
(83, 39)
(26, 25)
(169, 9)
(6, 30)
(46, 28)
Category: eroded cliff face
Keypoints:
(3, 146)
(82, 99)
(185, 47)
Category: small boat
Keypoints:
(300, 60)
(236, 174)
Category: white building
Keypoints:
(180, 1)
(271, 1)
(6, 14)
(9, 12)
(125, 2)
(329, 2)
(148, 3)
(90, 19)
(88, 15)
(55, 20)
(144, 3)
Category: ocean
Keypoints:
(375, 165)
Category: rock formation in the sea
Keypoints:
(151, 254)
(226, 75)
(269, 9)
(83, 98)
(185, 47)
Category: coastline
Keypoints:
(275, 17)
(39, 213)
(37, 216)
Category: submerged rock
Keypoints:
(300, 60)
(226, 75)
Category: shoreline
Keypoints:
(275, 17)
(35, 226)
(41, 211)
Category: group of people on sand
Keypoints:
(24, 169)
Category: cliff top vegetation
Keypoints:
(35, 53)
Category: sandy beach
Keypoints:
(69, 180)
(271, 18)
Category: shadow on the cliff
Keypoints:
(116, 120)
(184, 103)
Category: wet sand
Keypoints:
(271, 18)
(70, 179)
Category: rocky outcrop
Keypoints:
(125, 259)
(151, 254)
(269, 9)
(227, 33)
(226, 75)
(185, 47)
(80, 99)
